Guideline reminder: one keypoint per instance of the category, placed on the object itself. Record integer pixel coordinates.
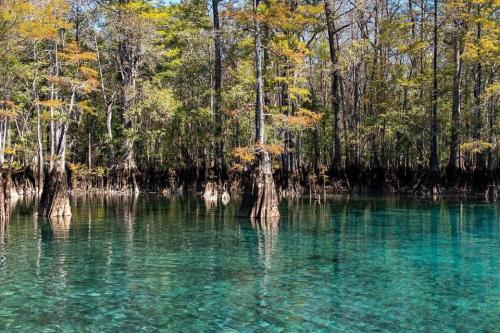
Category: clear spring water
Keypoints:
(348, 265)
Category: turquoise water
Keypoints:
(152, 264)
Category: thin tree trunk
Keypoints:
(357, 116)
(109, 131)
(336, 163)
(108, 102)
(259, 85)
(40, 171)
(478, 122)
(53, 95)
(129, 64)
(287, 155)
(491, 124)
(90, 151)
(219, 142)
(40, 164)
(433, 158)
(453, 163)
(420, 138)
(374, 98)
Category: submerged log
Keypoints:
(55, 200)
(260, 200)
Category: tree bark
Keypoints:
(108, 103)
(260, 200)
(129, 65)
(53, 95)
(491, 125)
(420, 139)
(478, 122)
(219, 141)
(453, 163)
(336, 163)
(4, 200)
(39, 151)
(259, 85)
(357, 115)
(287, 157)
(54, 200)
(39, 138)
(433, 156)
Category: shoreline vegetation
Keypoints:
(264, 98)
(369, 182)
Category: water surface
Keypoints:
(152, 264)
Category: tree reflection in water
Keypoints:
(210, 204)
(3, 226)
(60, 226)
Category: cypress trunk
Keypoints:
(4, 201)
(55, 200)
(260, 200)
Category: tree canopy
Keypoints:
(138, 93)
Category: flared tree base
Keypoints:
(4, 199)
(260, 200)
(55, 200)
(123, 178)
